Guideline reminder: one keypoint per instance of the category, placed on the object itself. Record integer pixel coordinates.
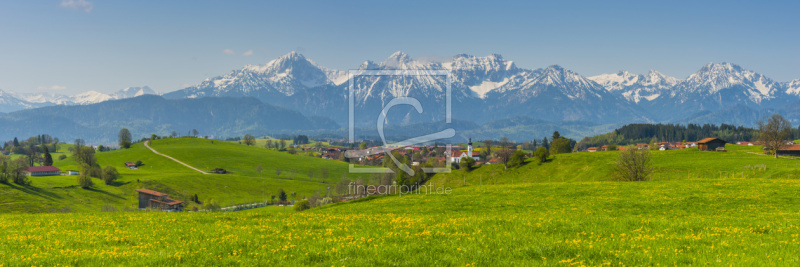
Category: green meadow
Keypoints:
(244, 184)
(727, 221)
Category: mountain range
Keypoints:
(490, 88)
(486, 93)
(10, 101)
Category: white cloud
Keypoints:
(51, 88)
(83, 5)
(248, 53)
(228, 52)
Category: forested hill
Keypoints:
(145, 115)
(646, 133)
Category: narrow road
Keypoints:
(147, 144)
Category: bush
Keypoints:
(110, 174)
(517, 159)
(541, 154)
(139, 163)
(633, 165)
(467, 164)
(62, 157)
(302, 205)
(85, 181)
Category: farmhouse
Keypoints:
(42, 171)
(130, 165)
(711, 144)
(592, 149)
(72, 172)
(789, 150)
(157, 200)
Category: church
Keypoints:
(457, 156)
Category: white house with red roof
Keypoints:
(42, 171)
(457, 156)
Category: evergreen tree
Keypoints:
(48, 159)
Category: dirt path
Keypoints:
(147, 145)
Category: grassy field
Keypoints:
(741, 222)
(60, 193)
(738, 162)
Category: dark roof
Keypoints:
(790, 148)
(167, 202)
(150, 192)
(43, 169)
(706, 140)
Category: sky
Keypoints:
(73, 46)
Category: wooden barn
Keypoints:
(789, 150)
(711, 144)
(158, 201)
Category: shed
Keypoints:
(711, 144)
(789, 150)
(157, 200)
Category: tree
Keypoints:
(16, 142)
(323, 173)
(62, 157)
(282, 195)
(195, 132)
(249, 139)
(774, 132)
(517, 159)
(633, 165)
(79, 143)
(110, 174)
(18, 168)
(153, 137)
(48, 159)
(84, 180)
(283, 144)
(560, 146)
(467, 163)
(268, 145)
(541, 154)
(259, 169)
(556, 135)
(362, 145)
(545, 143)
(124, 138)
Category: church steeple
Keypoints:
(469, 147)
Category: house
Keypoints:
(6, 152)
(591, 149)
(42, 171)
(71, 172)
(219, 171)
(604, 148)
(711, 144)
(130, 165)
(157, 200)
(642, 146)
(457, 156)
(789, 150)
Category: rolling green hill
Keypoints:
(61, 193)
(739, 161)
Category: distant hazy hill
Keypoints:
(149, 114)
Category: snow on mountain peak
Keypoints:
(793, 87)
(399, 56)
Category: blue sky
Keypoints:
(72, 46)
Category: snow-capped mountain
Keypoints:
(9, 102)
(34, 100)
(491, 87)
(717, 86)
(280, 77)
(792, 87)
(133, 92)
(637, 87)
